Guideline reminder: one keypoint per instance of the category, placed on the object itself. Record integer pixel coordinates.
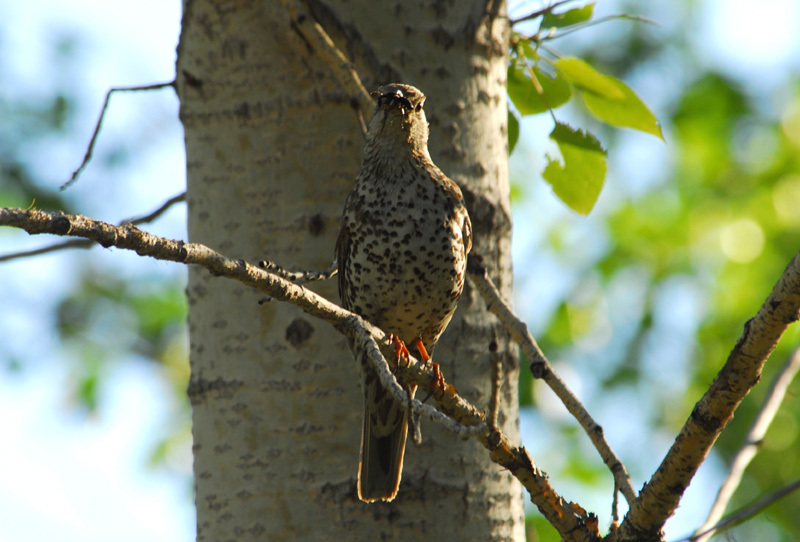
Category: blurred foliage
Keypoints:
(707, 240)
(101, 320)
(105, 319)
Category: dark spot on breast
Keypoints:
(298, 332)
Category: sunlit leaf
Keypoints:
(568, 18)
(578, 181)
(513, 131)
(581, 74)
(630, 112)
(523, 91)
(609, 99)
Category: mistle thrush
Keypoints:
(402, 254)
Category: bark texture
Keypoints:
(273, 146)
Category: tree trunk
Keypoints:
(272, 148)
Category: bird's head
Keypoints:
(399, 118)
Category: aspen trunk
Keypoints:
(272, 147)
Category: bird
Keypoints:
(401, 252)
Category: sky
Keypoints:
(72, 477)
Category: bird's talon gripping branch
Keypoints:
(400, 350)
(437, 374)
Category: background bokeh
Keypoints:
(637, 305)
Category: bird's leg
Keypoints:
(422, 352)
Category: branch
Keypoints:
(574, 523)
(541, 368)
(300, 277)
(86, 243)
(93, 140)
(751, 445)
(497, 373)
(660, 496)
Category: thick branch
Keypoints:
(750, 446)
(660, 496)
(569, 519)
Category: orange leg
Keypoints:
(422, 352)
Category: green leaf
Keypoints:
(579, 180)
(523, 91)
(630, 112)
(568, 18)
(608, 98)
(581, 74)
(513, 131)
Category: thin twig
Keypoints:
(587, 24)
(454, 412)
(150, 217)
(85, 243)
(497, 370)
(93, 140)
(539, 13)
(300, 277)
(745, 513)
(615, 504)
(541, 369)
(752, 443)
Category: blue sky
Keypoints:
(67, 476)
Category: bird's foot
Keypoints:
(426, 358)
(437, 374)
(400, 350)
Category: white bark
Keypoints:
(272, 149)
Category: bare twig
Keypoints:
(541, 369)
(587, 24)
(300, 277)
(615, 505)
(93, 140)
(149, 217)
(454, 412)
(660, 496)
(318, 41)
(85, 243)
(539, 13)
(73, 243)
(497, 369)
(751, 445)
(745, 513)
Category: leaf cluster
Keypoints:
(540, 80)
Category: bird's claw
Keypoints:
(400, 350)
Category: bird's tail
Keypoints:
(383, 444)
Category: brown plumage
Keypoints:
(402, 252)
